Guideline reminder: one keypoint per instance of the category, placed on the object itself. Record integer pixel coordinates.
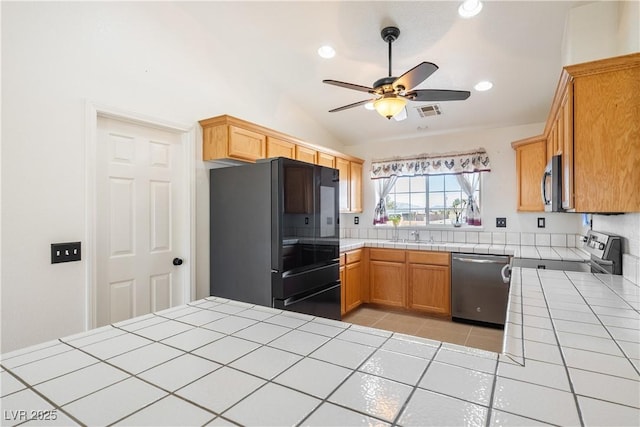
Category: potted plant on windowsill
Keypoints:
(395, 220)
(457, 207)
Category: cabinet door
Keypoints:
(246, 145)
(327, 160)
(606, 114)
(353, 279)
(430, 288)
(345, 188)
(355, 175)
(530, 164)
(343, 289)
(566, 116)
(387, 283)
(306, 154)
(279, 148)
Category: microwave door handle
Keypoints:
(543, 188)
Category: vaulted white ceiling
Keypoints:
(515, 44)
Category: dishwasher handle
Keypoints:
(506, 273)
(478, 260)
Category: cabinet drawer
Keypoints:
(426, 257)
(353, 256)
(395, 255)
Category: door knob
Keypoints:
(177, 261)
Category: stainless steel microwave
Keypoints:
(551, 186)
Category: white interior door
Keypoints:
(140, 219)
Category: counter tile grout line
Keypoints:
(493, 392)
(564, 361)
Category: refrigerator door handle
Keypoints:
(274, 271)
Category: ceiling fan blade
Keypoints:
(346, 107)
(415, 76)
(437, 95)
(349, 86)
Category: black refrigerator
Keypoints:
(275, 236)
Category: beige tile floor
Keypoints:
(427, 327)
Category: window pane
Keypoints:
(402, 202)
(436, 200)
(418, 184)
(436, 216)
(402, 185)
(451, 196)
(419, 201)
(451, 183)
(436, 183)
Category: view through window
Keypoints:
(428, 200)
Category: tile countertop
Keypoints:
(535, 252)
(220, 362)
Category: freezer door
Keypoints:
(324, 302)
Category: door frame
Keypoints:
(187, 133)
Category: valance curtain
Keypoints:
(463, 164)
(432, 164)
(383, 187)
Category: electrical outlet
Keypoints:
(501, 222)
(306, 220)
(540, 222)
(65, 252)
(356, 220)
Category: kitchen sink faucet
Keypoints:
(416, 235)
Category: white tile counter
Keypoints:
(220, 362)
(519, 251)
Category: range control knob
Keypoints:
(601, 246)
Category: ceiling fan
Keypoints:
(391, 93)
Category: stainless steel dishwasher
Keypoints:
(479, 288)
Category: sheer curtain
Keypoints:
(383, 187)
(469, 184)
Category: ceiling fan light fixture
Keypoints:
(389, 105)
(326, 52)
(470, 8)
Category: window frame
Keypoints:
(427, 196)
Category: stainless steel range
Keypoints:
(606, 252)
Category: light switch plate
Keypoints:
(65, 252)
(541, 222)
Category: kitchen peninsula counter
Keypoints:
(219, 362)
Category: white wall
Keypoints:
(147, 58)
(498, 198)
(600, 30)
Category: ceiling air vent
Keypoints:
(429, 110)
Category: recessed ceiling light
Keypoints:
(470, 8)
(369, 106)
(483, 85)
(326, 52)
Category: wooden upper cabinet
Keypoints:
(327, 160)
(280, 148)
(566, 141)
(306, 154)
(345, 188)
(606, 134)
(531, 159)
(595, 124)
(224, 141)
(355, 194)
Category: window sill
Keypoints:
(448, 227)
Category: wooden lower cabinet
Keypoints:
(351, 278)
(387, 283)
(353, 290)
(430, 289)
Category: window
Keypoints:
(427, 200)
